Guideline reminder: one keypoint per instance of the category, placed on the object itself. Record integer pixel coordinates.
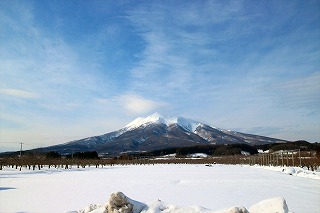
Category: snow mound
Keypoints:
(187, 124)
(301, 172)
(277, 204)
(294, 171)
(233, 210)
(161, 207)
(289, 171)
(92, 208)
(119, 203)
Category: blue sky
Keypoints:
(74, 69)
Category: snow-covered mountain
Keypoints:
(157, 118)
(159, 132)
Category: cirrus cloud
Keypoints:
(19, 93)
(135, 104)
(132, 104)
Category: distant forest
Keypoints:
(212, 150)
(230, 149)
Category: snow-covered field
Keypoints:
(216, 187)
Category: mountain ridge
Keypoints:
(158, 131)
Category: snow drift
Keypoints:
(119, 203)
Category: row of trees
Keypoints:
(77, 155)
(33, 163)
(224, 154)
(54, 160)
(213, 150)
(230, 149)
(302, 145)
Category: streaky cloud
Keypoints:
(19, 93)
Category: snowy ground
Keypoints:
(216, 187)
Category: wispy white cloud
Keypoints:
(184, 44)
(303, 92)
(37, 60)
(230, 64)
(46, 84)
(227, 59)
(132, 104)
(19, 93)
(138, 105)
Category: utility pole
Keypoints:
(300, 158)
(21, 149)
(14, 143)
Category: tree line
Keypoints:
(77, 155)
(224, 154)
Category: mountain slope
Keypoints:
(158, 132)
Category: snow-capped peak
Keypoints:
(167, 120)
